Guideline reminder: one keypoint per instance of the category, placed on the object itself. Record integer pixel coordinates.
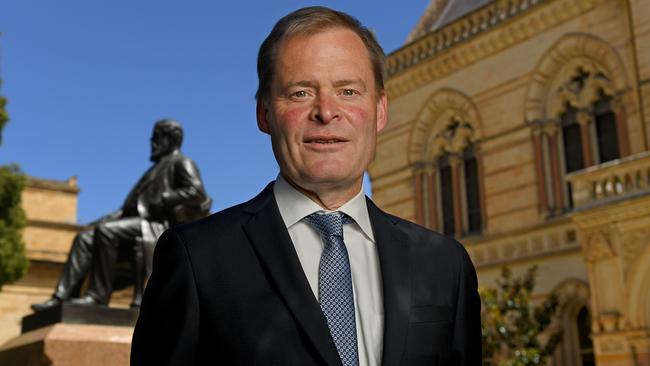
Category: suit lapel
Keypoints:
(272, 243)
(395, 272)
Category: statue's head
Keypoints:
(167, 137)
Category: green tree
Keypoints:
(513, 328)
(13, 262)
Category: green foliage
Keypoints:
(512, 326)
(13, 262)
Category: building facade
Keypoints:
(521, 127)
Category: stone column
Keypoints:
(481, 187)
(419, 199)
(542, 199)
(614, 244)
(551, 129)
(455, 161)
(432, 201)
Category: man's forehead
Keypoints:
(302, 42)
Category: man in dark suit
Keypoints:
(168, 193)
(311, 272)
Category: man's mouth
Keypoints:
(324, 140)
(332, 141)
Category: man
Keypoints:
(310, 272)
(170, 192)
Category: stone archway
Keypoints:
(573, 295)
(442, 108)
(569, 52)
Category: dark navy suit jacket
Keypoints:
(229, 290)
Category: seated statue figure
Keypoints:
(168, 193)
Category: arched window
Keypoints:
(583, 129)
(580, 79)
(575, 347)
(450, 185)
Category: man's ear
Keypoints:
(382, 112)
(262, 117)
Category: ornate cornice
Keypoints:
(430, 53)
(69, 185)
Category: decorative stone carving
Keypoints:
(598, 246)
(573, 71)
(448, 122)
(610, 345)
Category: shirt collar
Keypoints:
(294, 206)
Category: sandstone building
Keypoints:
(51, 210)
(522, 128)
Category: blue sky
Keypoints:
(86, 80)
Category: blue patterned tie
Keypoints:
(335, 284)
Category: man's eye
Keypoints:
(348, 92)
(300, 94)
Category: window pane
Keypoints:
(471, 187)
(606, 129)
(572, 141)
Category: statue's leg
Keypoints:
(76, 267)
(108, 237)
(74, 271)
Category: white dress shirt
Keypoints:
(364, 261)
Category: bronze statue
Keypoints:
(170, 192)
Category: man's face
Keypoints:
(161, 144)
(323, 112)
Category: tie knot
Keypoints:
(328, 224)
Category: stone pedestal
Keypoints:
(70, 345)
(73, 335)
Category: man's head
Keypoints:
(308, 21)
(321, 98)
(167, 136)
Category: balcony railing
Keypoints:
(610, 182)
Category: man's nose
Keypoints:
(325, 109)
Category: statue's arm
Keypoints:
(188, 186)
(111, 216)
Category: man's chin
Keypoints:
(331, 179)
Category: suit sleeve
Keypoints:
(467, 342)
(167, 329)
(188, 187)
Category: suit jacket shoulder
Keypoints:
(422, 238)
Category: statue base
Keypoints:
(80, 314)
(73, 335)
